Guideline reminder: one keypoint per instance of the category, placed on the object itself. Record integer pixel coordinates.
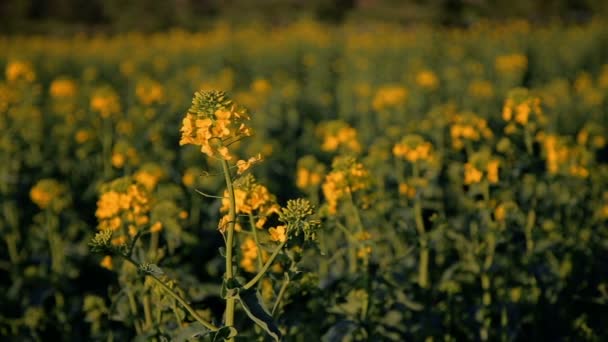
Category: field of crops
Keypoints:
(352, 183)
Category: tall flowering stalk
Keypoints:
(214, 122)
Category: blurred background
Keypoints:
(114, 16)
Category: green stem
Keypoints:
(133, 307)
(269, 262)
(183, 302)
(230, 300)
(280, 295)
(175, 296)
(11, 243)
(257, 241)
(147, 312)
(106, 147)
(529, 226)
(423, 262)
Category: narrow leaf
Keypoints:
(253, 305)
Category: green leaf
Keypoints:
(194, 330)
(253, 305)
(225, 333)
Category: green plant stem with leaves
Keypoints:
(230, 300)
(423, 261)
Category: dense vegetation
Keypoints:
(454, 184)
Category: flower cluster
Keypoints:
(347, 176)
(251, 198)
(213, 122)
(105, 101)
(49, 193)
(413, 148)
(338, 134)
(149, 92)
(468, 127)
(123, 208)
(523, 109)
(149, 175)
(560, 158)
(481, 164)
(299, 221)
(63, 88)
(509, 64)
(592, 135)
(20, 70)
(388, 97)
(249, 253)
(427, 79)
(309, 173)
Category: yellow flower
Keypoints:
(149, 92)
(338, 134)
(512, 63)
(62, 88)
(389, 96)
(413, 148)
(49, 193)
(105, 101)
(82, 136)
(500, 212)
(213, 122)
(20, 70)
(123, 203)
(278, 233)
(106, 262)
(118, 160)
(40, 197)
(156, 227)
(493, 171)
(427, 79)
(347, 177)
(407, 190)
(471, 174)
(245, 165)
(249, 251)
(481, 89)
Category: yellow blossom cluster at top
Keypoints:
(251, 198)
(105, 101)
(213, 122)
(365, 249)
(149, 175)
(413, 148)
(347, 176)
(512, 63)
(150, 92)
(124, 207)
(481, 89)
(20, 70)
(123, 153)
(521, 108)
(388, 97)
(593, 135)
(278, 233)
(49, 193)
(427, 79)
(481, 164)
(338, 134)
(563, 159)
(468, 127)
(310, 172)
(63, 88)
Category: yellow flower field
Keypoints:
(306, 182)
